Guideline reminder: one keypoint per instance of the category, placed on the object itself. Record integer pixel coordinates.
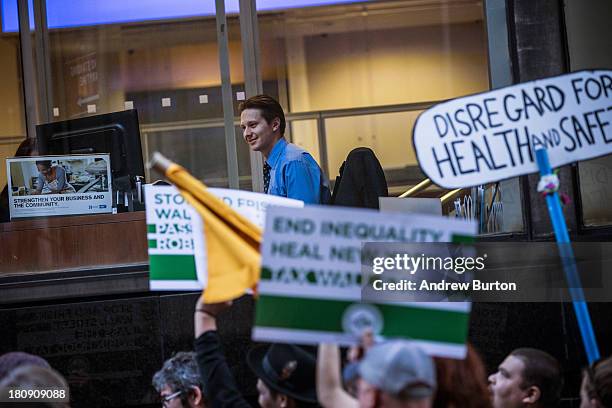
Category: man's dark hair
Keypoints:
(543, 371)
(180, 373)
(46, 163)
(269, 107)
(297, 403)
(599, 381)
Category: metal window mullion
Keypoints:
(253, 85)
(43, 66)
(226, 96)
(500, 75)
(500, 67)
(27, 69)
(321, 138)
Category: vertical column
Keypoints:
(27, 67)
(226, 95)
(500, 75)
(249, 33)
(539, 51)
(43, 61)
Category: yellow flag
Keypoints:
(232, 241)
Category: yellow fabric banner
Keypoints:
(232, 241)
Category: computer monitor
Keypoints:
(115, 133)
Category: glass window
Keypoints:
(12, 113)
(363, 57)
(589, 43)
(164, 65)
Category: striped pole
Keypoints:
(569, 262)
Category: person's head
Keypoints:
(396, 374)
(31, 377)
(596, 388)
(286, 376)
(15, 359)
(470, 373)
(179, 383)
(526, 378)
(27, 148)
(263, 123)
(43, 166)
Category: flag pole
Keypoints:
(159, 162)
(569, 262)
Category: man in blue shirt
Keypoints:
(289, 171)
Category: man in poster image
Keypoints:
(289, 171)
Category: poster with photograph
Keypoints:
(44, 186)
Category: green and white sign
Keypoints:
(310, 288)
(175, 233)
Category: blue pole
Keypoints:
(569, 263)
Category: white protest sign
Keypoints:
(491, 136)
(310, 287)
(253, 205)
(44, 186)
(175, 233)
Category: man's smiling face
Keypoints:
(257, 132)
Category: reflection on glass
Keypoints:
(364, 55)
(374, 53)
(304, 134)
(12, 115)
(198, 150)
(168, 70)
(389, 135)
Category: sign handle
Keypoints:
(569, 262)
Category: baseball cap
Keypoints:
(397, 365)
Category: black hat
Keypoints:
(287, 369)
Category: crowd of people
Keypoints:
(393, 374)
(386, 374)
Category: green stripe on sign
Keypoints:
(326, 315)
(462, 239)
(151, 228)
(153, 243)
(172, 267)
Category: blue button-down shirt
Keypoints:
(295, 174)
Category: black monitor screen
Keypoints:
(115, 133)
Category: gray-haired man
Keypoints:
(179, 383)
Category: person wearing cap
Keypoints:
(396, 374)
(286, 373)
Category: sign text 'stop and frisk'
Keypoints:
(492, 136)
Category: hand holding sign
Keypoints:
(491, 136)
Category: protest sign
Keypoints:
(310, 287)
(45, 186)
(492, 136)
(253, 205)
(175, 233)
